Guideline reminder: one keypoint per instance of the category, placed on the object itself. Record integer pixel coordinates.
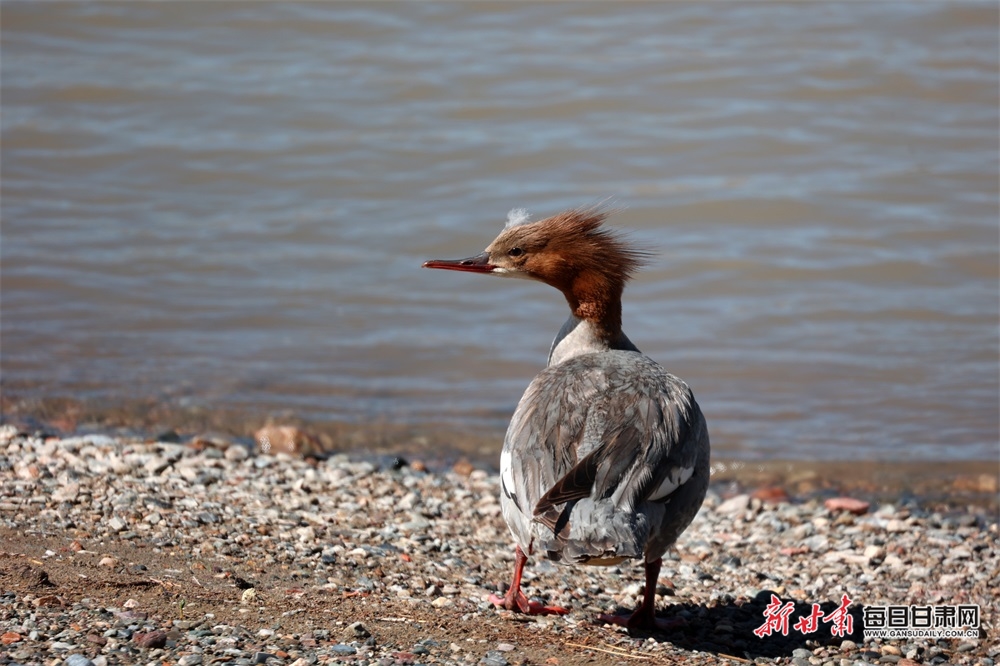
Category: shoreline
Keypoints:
(439, 447)
(152, 552)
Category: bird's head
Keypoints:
(570, 251)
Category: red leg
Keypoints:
(515, 600)
(644, 616)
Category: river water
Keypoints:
(227, 204)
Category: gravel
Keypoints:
(118, 551)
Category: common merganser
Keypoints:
(607, 455)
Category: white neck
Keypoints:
(578, 336)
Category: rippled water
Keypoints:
(227, 204)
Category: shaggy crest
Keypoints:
(583, 241)
(517, 216)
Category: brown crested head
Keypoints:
(571, 251)
(568, 251)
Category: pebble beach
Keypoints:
(118, 551)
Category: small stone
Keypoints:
(248, 596)
(152, 639)
(357, 630)
(157, 465)
(733, 505)
(190, 660)
(505, 647)
(848, 645)
(341, 648)
(108, 562)
(272, 439)
(948, 580)
(818, 543)
(893, 562)
(10, 637)
(874, 552)
(890, 649)
(772, 494)
(966, 646)
(494, 658)
(77, 660)
(848, 504)
(802, 653)
(117, 524)
(442, 602)
(896, 525)
(463, 467)
(262, 657)
(236, 453)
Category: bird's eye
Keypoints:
(515, 252)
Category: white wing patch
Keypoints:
(676, 478)
(506, 474)
(517, 216)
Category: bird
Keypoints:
(606, 457)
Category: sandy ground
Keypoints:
(276, 559)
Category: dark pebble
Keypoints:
(152, 639)
(357, 630)
(262, 657)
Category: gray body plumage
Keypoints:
(606, 457)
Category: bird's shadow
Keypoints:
(729, 628)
